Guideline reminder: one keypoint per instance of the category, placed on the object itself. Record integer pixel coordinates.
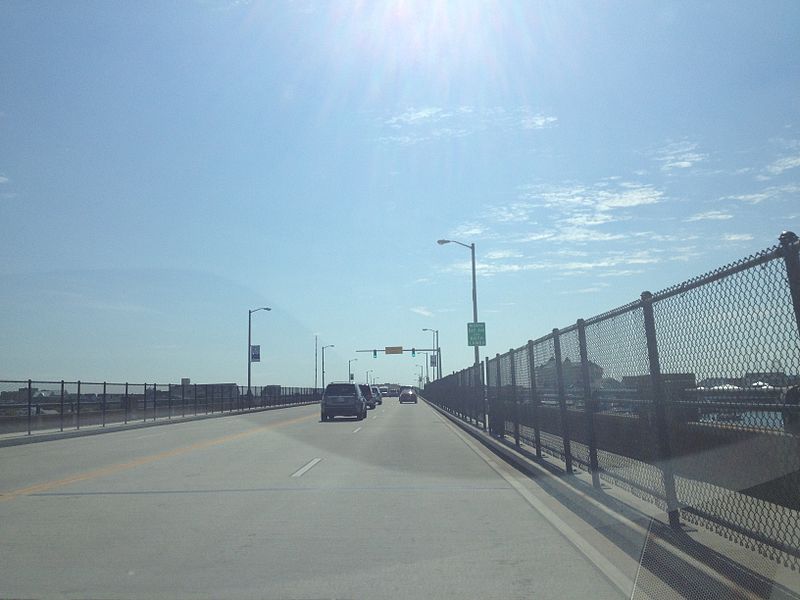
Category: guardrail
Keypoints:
(27, 406)
(688, 398)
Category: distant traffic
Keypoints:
(348, 399)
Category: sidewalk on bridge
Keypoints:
(695, 562)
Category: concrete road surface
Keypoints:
(280, 505)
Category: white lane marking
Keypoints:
(302, 470)
(357, 429)
(612, 573)
(375, 416)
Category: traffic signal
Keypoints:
(374, 354)
(413, 352)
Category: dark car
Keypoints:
(369, 398)
(342, 399)
(377, 394)
(408, 395)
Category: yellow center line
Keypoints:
(144, 460)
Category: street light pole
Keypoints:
(323, 363)
(349, 372)
(474, 300)
(474, 288)
(437, 371)
(438, 357)
(249, 346)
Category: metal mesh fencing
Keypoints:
(505, 403)
(689, 398)
(731, 346)
(572, 376)
(622, 394)
(549, 414)
(29, 406)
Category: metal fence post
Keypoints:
(104, 404)
(498, 404)
(514, 396)
(485, 393)
(144, 408)
(790, 248)
(78, 421)
(475, 392)
(562, 403)
(155, 401)
(183, 399)
(195, 399)
(61, 417)
(127, 403)
(30, 400)
(534, 401)
(169, 401)
(664, 450)
(588, 403)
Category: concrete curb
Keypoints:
(35, 437)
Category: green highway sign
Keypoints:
(476, 334)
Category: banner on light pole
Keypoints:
(255, 353)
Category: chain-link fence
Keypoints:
(688, 398)
(28, 406)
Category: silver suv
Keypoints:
(342, 399)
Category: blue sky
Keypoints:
(166, 166)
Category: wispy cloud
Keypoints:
(598, 265)
(538, 121)
(3, 179)
(737, 237)
(770, 193)
(416, 125)
(577, 211)
(469, 230)
(534, 236)
(784, 164)
(416, 116)
(585, 234)
(598, 197)
(514, 212)
(679, 155)
(421, 310)
(501, 254)
(711, 215)
(587, 290)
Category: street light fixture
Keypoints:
(349, 372)
(474, 287)
(323, 363)
(249, 346)
(437, 372)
